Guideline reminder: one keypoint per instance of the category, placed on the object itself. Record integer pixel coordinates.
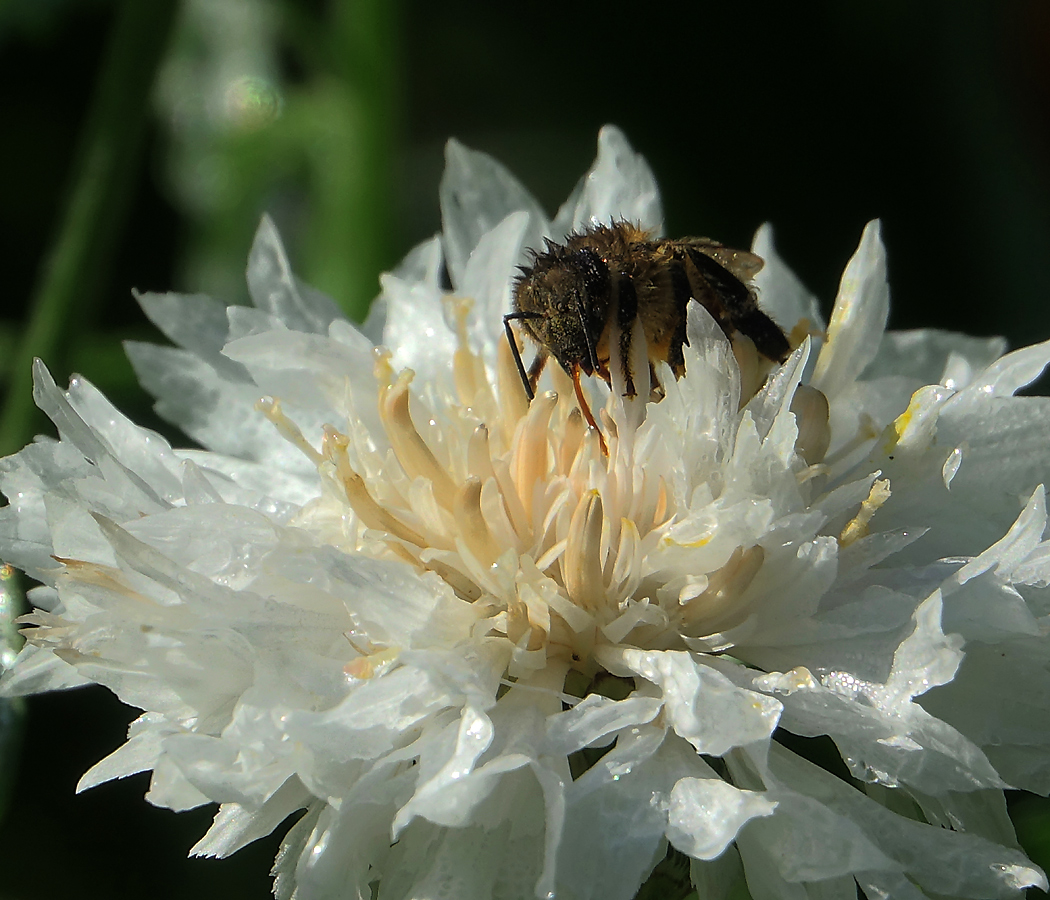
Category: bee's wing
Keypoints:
(741, 263)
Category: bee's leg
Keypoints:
(626, 313)
(536, 369)
(507, 319)
(767, 336)
(586, 409)
(656, 392)
(741, 308)
(682, 292)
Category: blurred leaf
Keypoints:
(317, 153)
(1030, 814)
(96, 206)
(8, 340)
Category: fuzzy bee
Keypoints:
(569, 298)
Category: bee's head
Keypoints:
(564, 296)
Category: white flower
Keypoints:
(490, 661)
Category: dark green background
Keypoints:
(934, 116)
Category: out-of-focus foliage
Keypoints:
(311, 142)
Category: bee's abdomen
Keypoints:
(734, 306)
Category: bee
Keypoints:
(567, 300)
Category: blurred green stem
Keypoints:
(104, 172)
(352, 184)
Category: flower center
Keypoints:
(516, 506)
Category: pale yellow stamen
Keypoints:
(371, 513)
(515, 509)
(858, 525)
(571, 439)
(751, 370)
(514, 402)
(524, 618)
(494, 509)
(582, 563)
(271, 408)
(524, 510)
(707, 610)
(660, 511)
(627, 571)
(590, 454)
(539, 613)
(479, 456)
(468, 371)
(472, 525)
(364, 667)
(812, 415)
(412, 452)
(551, 556)
(455, 579)
(530, 455)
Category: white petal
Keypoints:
(274, 491)
(594, 719)
(806, 841)
(718, 879)
(1011, 725)
(704, 706)
(858, 318)
(422, 266)
(37, 669)
(274, 288)
(1006, 457)
(938, 860)
(192, 321)
(882, 734)
(311, 376)
(501, 859)
(236, 826)
(488, 279)
(335, 854)
(140, 752)
(614, 831)
(477, 193)
(219, 414)
(771, 405)
(1012, 372)
(142, 453)
(934, 357)
(705, 814)
(169, 788)
(1008, 553)
(436, 798)
(416, 330)
(619, 186)
(982, 813)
